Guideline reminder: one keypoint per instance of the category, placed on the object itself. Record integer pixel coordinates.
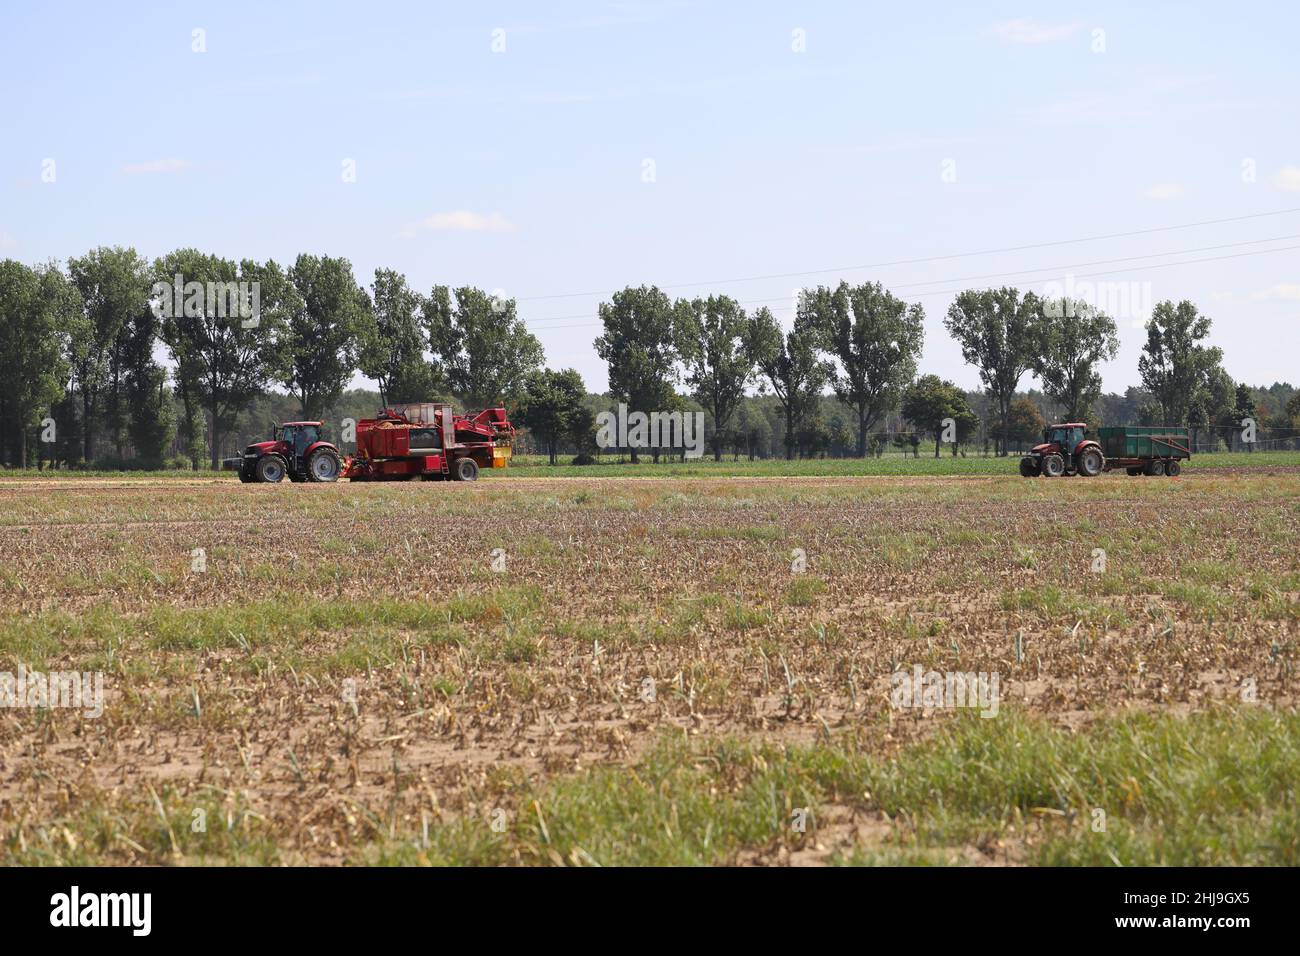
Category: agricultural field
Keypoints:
(604, 670)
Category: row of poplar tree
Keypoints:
(81, 343)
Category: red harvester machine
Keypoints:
(427, 440)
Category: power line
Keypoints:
(936, 292)
(943, 258)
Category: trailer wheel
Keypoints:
(271, 469)
(1173, 469)
(466, 470)
(324, 465)
(1091, 463)
(1156, 469)
(1053, 466)
(1029, 468)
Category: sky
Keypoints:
(559, 152)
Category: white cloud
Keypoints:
(156, 166)
(1288, 291)
(1164, 191)
(7, 241)
(1288, 179)
(1031, 31)
(459, 220)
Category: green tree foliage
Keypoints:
(326, 321)
(151, 425)
(36, 308)
(1025, 423)
(394, 342)
(1293, 410)
(486, 349)
(114, 287)
(930, 400)
(1073, 339)
(792, 366)
(711, 340)
(996, 329)
(876, 339)
(640, 347)
(223, 359)
(553, 407)
(1175, 364)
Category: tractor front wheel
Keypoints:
(1053, 466)
(1029, 468)
(1091, 463)
(466, 470)
(324, 465)
(271, 469)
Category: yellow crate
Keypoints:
(500, 456)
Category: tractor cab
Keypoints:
(1065, 437)
(296, 438)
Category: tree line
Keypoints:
(863, 344)
(79, 347)
(80, 370)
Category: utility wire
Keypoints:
(943, 258)
(954, 291)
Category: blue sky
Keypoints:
(784, 138)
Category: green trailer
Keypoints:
(1145, 449)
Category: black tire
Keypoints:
(1133, 472)
(245, 475)
(271, 469)
(1091, 462)
(1173, 469)
(465, 469)
(1156, 469)
(324, 465)
(1029, 468)
(1053, 466)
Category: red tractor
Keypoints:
(1064, 450)
(296, 451)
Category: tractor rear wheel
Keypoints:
(271, 469)
(1029, 468)
(1091, 463)
(1156, 469)
(1173, 469)
(324, 465)
(1053, 466)
(466, 469)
